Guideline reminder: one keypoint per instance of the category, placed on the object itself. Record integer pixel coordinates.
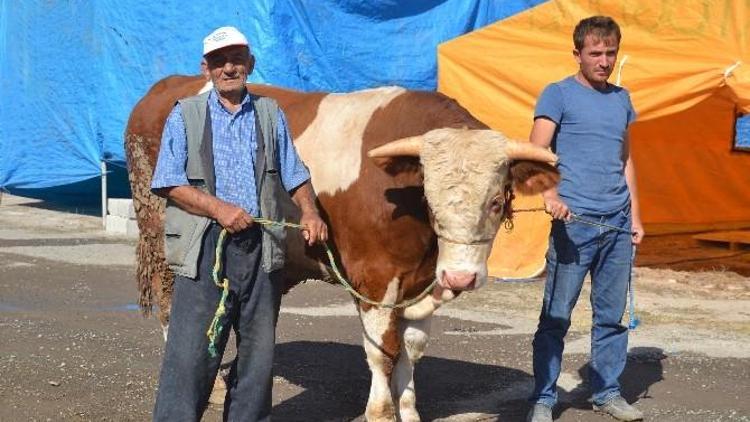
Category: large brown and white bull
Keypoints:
(413, 188)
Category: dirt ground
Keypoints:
(75, 348)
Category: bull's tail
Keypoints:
(152, 273)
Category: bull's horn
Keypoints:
(527, 151)
(410, 146)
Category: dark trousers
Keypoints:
(188, 372)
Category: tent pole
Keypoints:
(104, 194)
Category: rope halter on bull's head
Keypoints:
(479, 144)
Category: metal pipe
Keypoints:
(104, 194)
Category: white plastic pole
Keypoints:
(104, 194)
(619, 69)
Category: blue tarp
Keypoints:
(742, 132)
(71, 71)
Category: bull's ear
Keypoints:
(533, 177)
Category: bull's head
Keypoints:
(466, 175)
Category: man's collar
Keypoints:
(213, 96)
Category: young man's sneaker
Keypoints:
(540, 413)
(619, 409)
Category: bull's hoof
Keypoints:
(219, 393)
(409, 415)
(381, 419)
(380, 413)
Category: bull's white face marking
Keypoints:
(332, 145)
(414, 338)
(460, 189)
(375, 323)
(464, 258)
(206, 87)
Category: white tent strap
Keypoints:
(728, 71)
(619, 69)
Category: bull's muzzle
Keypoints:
(458, 280)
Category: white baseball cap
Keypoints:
(223, 37)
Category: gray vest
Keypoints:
(184, 231)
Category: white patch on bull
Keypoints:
(375, 323)
(470, 259)
(165, 331)
(206, 87)
(332, 144)
(414, 338)
(428, 304)
(460, 189)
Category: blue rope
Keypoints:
(633, 321)
(596, 223)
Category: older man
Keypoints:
(226, 158)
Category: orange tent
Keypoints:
(686, 66)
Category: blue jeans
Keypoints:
(576, 249)
(188, 372)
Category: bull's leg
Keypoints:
(381, 343)
(165, 331)
(164, 301)
(414, 338)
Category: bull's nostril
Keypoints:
(459, 280)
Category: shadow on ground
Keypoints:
(644, 368)
(335, 382)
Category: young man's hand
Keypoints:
(555, 207)
(638, 231)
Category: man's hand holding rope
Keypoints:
(555, 206)
(314, 229)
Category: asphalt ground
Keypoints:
(73, 345)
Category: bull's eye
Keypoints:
(496, 205)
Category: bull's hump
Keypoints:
(331, 145)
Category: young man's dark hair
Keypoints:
(600, 27)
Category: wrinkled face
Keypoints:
(228, 69)
(597, 58)
(465, 192)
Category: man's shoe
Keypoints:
(619, 409)
(540, 413)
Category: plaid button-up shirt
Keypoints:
(234, 149)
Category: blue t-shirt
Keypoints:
(591, 128)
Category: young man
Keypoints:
(226, 157)
(585, 120)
